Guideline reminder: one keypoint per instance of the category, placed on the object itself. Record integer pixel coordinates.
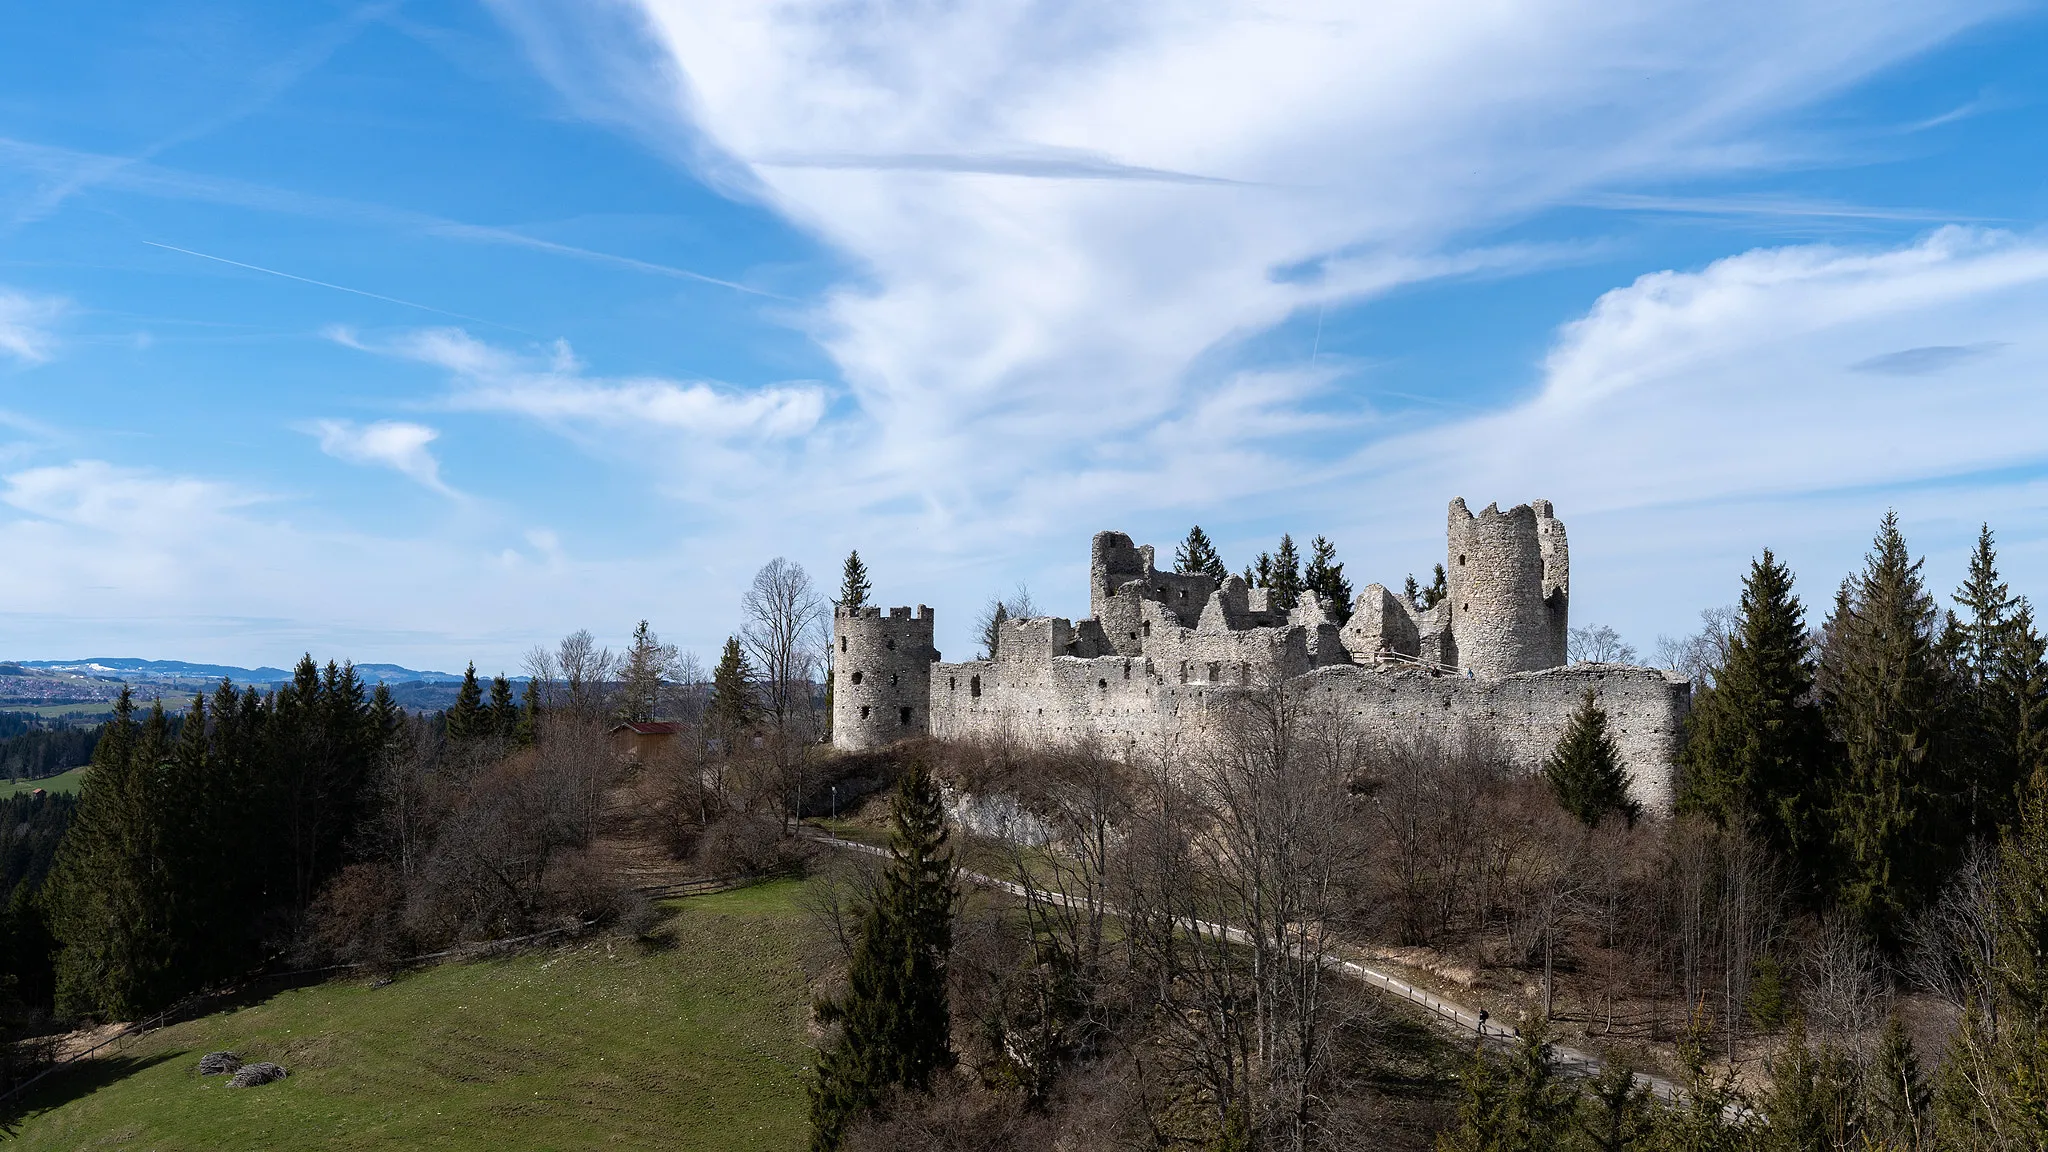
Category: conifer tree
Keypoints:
(1427, 598)
(528, 729)
(504, 711)
(111, 908)
(992, 631)
(853, 583)
(733, 706)
(1896, 1097)
(647, 667)
(1585, 770)
(1518, 1105)
(1325, 578)
(1883, 693)
(1285, 578)
(1812, 1099)
(385, 713)
(1756, 744)
(1616, 1114)
(1982, 779)
(2021, 691)
(1196, 555)
(466, 719)
(894, 1021)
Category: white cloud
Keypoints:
(1060, 211)
(395, 444)
(1782, 397)
(25, 325)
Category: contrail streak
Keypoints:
(339, 287)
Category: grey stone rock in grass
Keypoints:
(219, 1064)
(253, 1074)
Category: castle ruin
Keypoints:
(1159, 647)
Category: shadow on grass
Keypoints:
(76, 1082)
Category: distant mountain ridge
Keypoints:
(128, 667)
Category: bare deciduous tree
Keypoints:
(576, 676)
(783, 635)
(1598, 643)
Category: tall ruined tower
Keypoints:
(881, 677)
(1509, 586)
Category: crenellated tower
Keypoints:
(881, 676)
(1509, 581)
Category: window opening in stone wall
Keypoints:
(974, 686)
(905, 713)
(1148, 627)
(863, 711)
(1215, 671)
(1461, 559)
(892, 645)
(1127, 669)
(892, 679)
(856, 677)
(952, 683)
(1134, 635)
(842, 643)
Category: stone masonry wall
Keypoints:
(1128, 702)
(881, 678)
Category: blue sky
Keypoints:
(425, 332)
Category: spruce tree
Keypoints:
(1883, 692)
(992, 631)
(1196, 555)
(1285, 579)
(894, 1021)
(2020, 687)
(1519, 1104)
(504, 710)
(646, 669)
(1756, 744)
(1896, 1099)
(108, 891)
(853, 583)
(1616, 1114)
(528, 729)
(1977, 641)
(1325, 577)
(1585, 770)
(466, 719)
(733, 707)
(1812, 1101)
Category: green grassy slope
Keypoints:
(66, 781)
(602, 1044)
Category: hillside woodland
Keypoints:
(1839, 941)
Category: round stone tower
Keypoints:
(1508, 581)
(881, 676)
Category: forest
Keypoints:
(1839, 940)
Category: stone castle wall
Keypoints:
(1127, 702)
(1161, 649)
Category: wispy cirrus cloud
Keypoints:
(554, 388)
(27, 325)
(1062, 213)
(399, 445)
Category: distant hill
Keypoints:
(132, 670)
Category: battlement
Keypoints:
(871, 613)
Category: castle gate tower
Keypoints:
(881, 676)
(1509, 583)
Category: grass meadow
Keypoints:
(696, 1041)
